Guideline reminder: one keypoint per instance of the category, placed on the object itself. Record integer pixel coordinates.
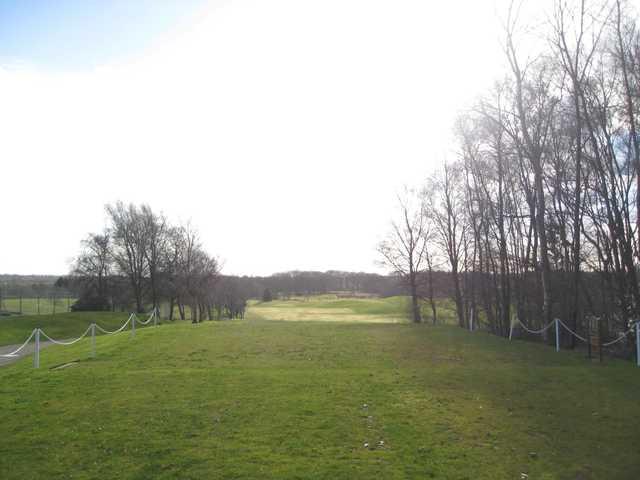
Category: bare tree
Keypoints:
(130, 239)
(156, 249)
(405, 248)
(94, 266)
(444, 206)
(534, 108)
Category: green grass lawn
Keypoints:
(283, 399)
(331, 308)
(16, 329)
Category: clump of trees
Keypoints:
(141, 260)
(539, 214)
(267, 296)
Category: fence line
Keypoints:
(133, 318)
(559, 323)
(37, 332)
(36, 304)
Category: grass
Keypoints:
(331, 308)
(284, 399)
(16, 329)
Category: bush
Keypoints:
(267, 296)
(91, 303)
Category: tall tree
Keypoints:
(444, 206)
(130, 239)
(405, 248)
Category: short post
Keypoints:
(471, 321)
(638, 342)
(93, 340)
(20, 304)
(36, 352)
(557, 334)
(133, 324)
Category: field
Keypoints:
(330, 308)
(333, 309)
(361, 398)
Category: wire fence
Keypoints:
(37, 334)
(37, 305)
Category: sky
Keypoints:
(282, 130)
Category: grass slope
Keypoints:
(16, 329)
(273, 399)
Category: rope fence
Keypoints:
(37, 333)
(558, 324)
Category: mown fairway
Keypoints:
(284, 399)
(330, 308)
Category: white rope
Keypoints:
(533, 331)
(71, 342)
(86, 332)
(13, 354)
(145, 322)
(98, 327)
(621, 336)
(572, 332)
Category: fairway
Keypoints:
(274, 399)
(330, 308)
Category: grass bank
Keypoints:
(282, 399)
(16, 329)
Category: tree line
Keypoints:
(537, 214)
(142, 261)
(303, 283)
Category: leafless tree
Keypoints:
(543, 205)
(94, 267)
(156, 249)
(130, 239)
(405, 248)
(444, 206)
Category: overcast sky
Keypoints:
(282, 129)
